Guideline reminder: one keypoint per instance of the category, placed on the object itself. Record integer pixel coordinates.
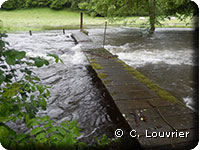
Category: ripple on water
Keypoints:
(74, 90)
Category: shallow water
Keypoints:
(169, 57)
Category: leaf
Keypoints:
(20, 55)
(40, 136)
(75, 131)
(55, 57)
(1, 72)
(61, 131)
(43, 140)
(42, 103)
(4, 119)
(81, 146)
(20, 137)
(32, 122)
(32, 97)
(53, 129)
(33, 102)
(3, 132)
(10, 60)
(39, 62)
(36, 130)
(47, 94)
(56, 137)
(47, 125)
(44, 119)
(69, 141)
(42, 61)
(2, 78)
(64, 125)
(33, 88)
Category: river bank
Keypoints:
(38, 19)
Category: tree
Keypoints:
(152, 14)
(152, 8)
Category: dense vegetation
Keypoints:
(110, 7)
(54, 4)
(21, 96)
(155, 9)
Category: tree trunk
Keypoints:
(152, 14)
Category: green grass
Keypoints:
(46, 19)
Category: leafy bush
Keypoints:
(9, 5)
(43, 135)
(21, 96)
(37, 3)
(59, 4)
(83, 5)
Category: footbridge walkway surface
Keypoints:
(157, 119)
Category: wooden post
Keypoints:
(30, 32)
(63, 31)
(81, 21)
(104, 37)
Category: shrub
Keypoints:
(37, 3)
(60, 4)
(21, 96)
(9, 5)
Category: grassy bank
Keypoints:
(45, 18)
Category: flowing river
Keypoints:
(167, 58)
(76, 93)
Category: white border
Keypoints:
(196, 148)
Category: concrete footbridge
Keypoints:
(156, 118)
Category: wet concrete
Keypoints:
(142, 108)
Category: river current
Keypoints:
(167, 57)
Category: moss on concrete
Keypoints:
(106, 81)
(102, 75)
(96, 66)
(150, 84)
(92, 60)
(84, 31)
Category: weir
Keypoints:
(157, 119)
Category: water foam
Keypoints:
(140, 58)
(41, 44)
(189, 102)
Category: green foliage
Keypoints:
(57, 59)
(103, 141)
(54, 4)
(57, 4)
(155, 9)
(44, 133)
(37, 3)
(179, 8)
(21, 96)
(13, 4)
(60, 4)
(9, 5)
